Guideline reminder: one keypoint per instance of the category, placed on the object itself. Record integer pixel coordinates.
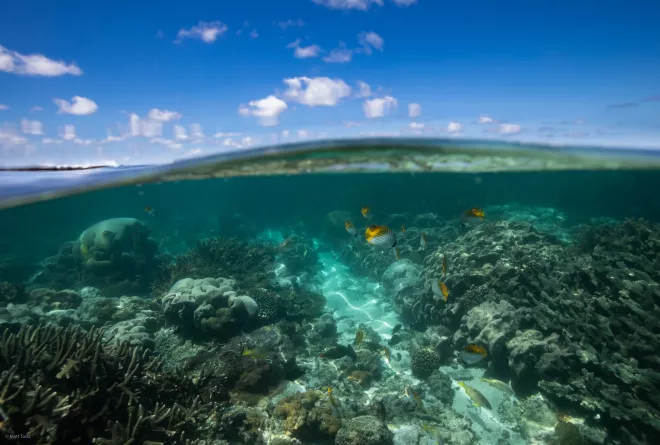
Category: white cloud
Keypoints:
(267, 110)
(362, 5)
(404, 2)
(4, 107)
(144, 127)
(9, 137)
(291, 23)
(364, 89)
(34, 64)
(49, 141)
(207, 32)
(163, 115)
(254, 34)
(79, 106)
(370, 41)
(316, 91)
(226, 135)
(68, 133)
(414, 109)
(454, 127)
(304, 52)
(150, 129)
(508, 129)
(196, 131)
(416, 126)
(83, 141)
(339, 55)
(31, 127)
(37, 108)
(166, 142)
(486, 120)
(180, 133)
(379, 107)
(303, 134)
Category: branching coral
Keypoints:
(65, 385)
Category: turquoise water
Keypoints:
(217, 330)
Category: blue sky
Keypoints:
(134, 82)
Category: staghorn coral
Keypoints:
(65, 385)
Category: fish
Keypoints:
(444, 266)
(396, 328)
(439, 289)
(386, 350)
(423, 243)
(473, 353)
(287, 245)
(151, 211)
(256, 353)
(474, 215)
(350, 228)
(359, 336)
(397, 253)
(339, 351)
(380, 236)
(403, 228)
(332, 398)
(398, 356)
(333, 402)
(477, 398)
(411, 394)
(395, 340)
(84, 250)
(499, 385)
(366, 212)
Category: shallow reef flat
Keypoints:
(217, 327)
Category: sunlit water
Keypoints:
(559, 283)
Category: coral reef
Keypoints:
(116, 255)
(209, 306)
(424, 361)
(307, 416)
(249, 264)
(11, 292)
(66, 386)
(574, 320)
(364, 430)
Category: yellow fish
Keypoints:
(440, 289)
(366, 212)
(256, 353)
(403, 228)
(477, 398)
(499, 385)
(380, 236)
(444, 266)
(386, 350)
(411, 394)
(359, 336)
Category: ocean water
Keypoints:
(224, 301)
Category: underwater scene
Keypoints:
(492, 308)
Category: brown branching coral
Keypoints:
(66, 386)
